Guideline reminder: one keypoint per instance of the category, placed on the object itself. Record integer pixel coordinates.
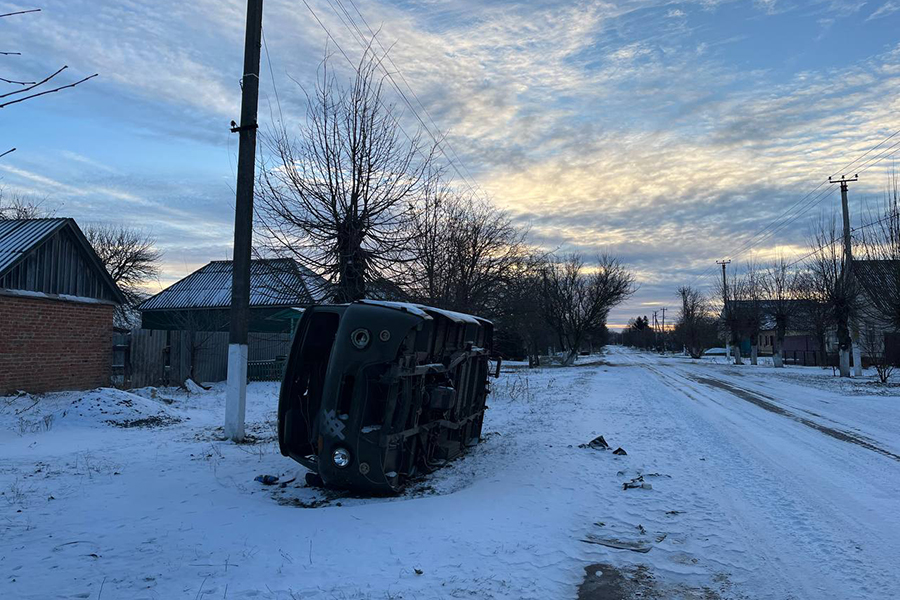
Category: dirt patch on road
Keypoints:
(606, 582)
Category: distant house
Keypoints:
(56, 308)
(184, 328)
(798, 341)
(877, 279)
(202, 300)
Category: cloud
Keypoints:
(602, 125)
(888, 8)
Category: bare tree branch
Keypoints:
(21, 12)
(37, 84)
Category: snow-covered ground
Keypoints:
(763, 483)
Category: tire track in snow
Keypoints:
(768, 404)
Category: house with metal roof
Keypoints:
(202, 300)
(57, 303)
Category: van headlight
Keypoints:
(360, 338)
(341, 457)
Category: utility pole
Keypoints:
(655, 330)
(725, 263)
(236, 393)
(846, 274)
(664, 327)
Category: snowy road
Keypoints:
(766, 484)
(807, 479)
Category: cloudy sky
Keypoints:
(668, 133)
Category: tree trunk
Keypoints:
(778, 354)
(857, 353)
(754, 354)
(737, 355)
(352, 263)
(843, 333)
(570, 358)
(845, 362)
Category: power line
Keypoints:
(412, 91)
(351, 25)
(272, 75)
(806, 203)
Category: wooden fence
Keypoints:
(160, 357)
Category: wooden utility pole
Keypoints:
(236, 393)
(846, 274)
(725, 263)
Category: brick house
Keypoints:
(56, 308)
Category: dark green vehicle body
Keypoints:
(397, 388)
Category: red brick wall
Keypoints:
(48, 345)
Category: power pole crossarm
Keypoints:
(236, 394)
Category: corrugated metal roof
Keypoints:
(273, 282)
(19, 236)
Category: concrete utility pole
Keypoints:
(664, 327)
(724, 263)
(236, 393)
(847, 273)
(655, 329)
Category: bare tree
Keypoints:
(833, 284)
(577, 301)
(814, 315)
(130, 257)
(339, 196)
(465, 252)
(26, 90)
(780, 285)
(749, 307)
(695, 328)
(518, 308)
(20, 207)
(873, 344)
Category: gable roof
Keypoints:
(22, 238)
(273, 282)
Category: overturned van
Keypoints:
(375, 393)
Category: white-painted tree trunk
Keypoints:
(754, 354)
(778, 358)
(857, 358)
(236, 392)
(737, 355)
(844, 363)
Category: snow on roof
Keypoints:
(423, 311)
(273, 283)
